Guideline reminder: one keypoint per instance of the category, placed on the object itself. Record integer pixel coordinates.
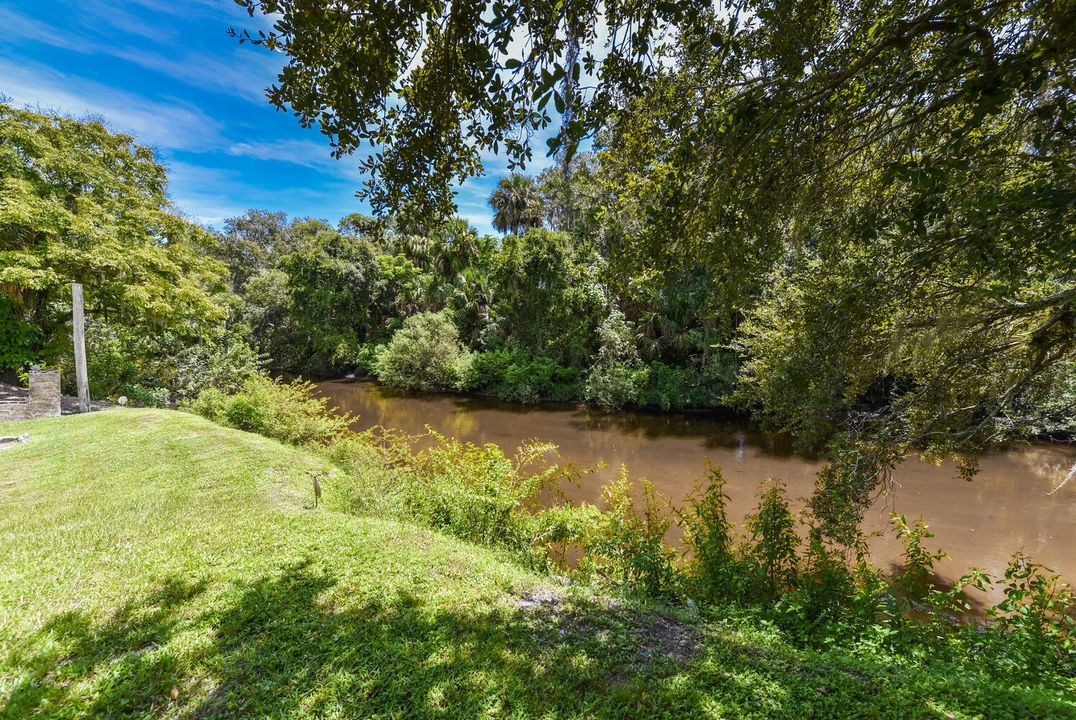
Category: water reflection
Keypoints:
(1019, 501)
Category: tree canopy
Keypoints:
(516, 204)
(81, 203)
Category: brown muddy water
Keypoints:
(1022, 500)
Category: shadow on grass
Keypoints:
(116, 668)
(294, 645)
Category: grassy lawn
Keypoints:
(153, 564)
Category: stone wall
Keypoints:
(43, 400)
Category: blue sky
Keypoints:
(166, 71)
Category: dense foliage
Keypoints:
(79, 203)
(425, 354)
(174, 308)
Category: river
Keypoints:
(1021, 500)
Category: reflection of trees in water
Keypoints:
(459, 415)
(460, 424)
(1054, 464)
(714, 433)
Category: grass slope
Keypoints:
(153, 564)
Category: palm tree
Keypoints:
(517, 204)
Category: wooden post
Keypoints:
(81, 379)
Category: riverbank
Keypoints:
(1018, 502)
(156, 564)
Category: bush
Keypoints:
(916, 577)
(17, 337)
(160, 369)
(614, 379)
(772, 543)
(225, 363)
(670, 387)
(366, 358)
(474, 492)
(1035, 625)
(284, 411)
(612, 385)
(627, 548)
(142, 396)
(425, 354)
(713, 567)
(515, 375)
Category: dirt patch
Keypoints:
(638, 637)
(663, 636)
(539, 597)
(10, 441)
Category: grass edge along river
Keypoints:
(154, 564)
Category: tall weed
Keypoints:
(625, 546)
(711, 564)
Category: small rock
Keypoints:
(121, 400)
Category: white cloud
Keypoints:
(308, 153)
(173, 125)
(246, 75)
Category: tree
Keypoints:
(572, 196)
(549, 298)
(250, 242)
(80, 203)
(916, 158)
(517, 204)
(458, 86)
(333, 280)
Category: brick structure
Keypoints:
(43, 399)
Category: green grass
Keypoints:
(153, 564)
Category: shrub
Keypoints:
(772, 543)
(17, 337)
(915, 578)
(712, 564)
(672, 387)
(480, 494)
(627, 548)
(225, 363)
(614, 379)
(366, 358)
(425, 354)
(142, 396)
(284, 411)
(161, 369)
(515, 375)
(1036, 622)
(611, 385)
